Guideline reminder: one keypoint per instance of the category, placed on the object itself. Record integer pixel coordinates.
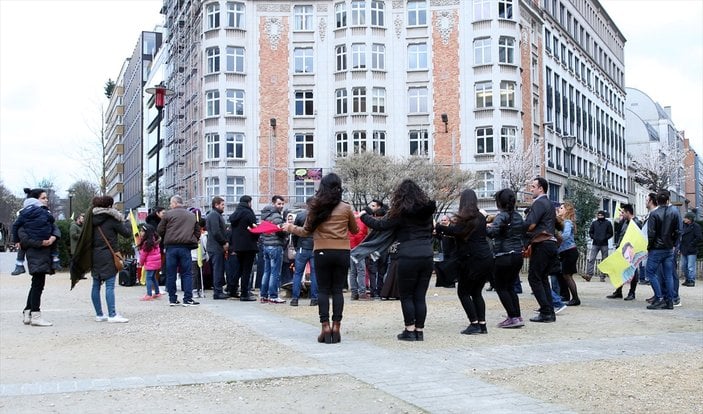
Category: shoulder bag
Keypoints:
(117, 256)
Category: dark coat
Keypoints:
(110, 222)
(601, 231)
(413, 230)
(241, 239)
(690, 237)
(38, 256)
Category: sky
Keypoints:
(56, 55)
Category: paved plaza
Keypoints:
(231, 356)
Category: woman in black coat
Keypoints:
(410, 216)
(107, 223)
(242, 243)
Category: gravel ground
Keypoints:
(163, 340)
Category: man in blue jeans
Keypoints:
(690, 238)
(303, 256)
(662, 235)
(273, 251)
(180, 233)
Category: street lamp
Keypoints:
(159, 91)
(568, 142)
(71, 193)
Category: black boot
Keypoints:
(615, 295)
(630, 296)
(407, 335)
(473, 329)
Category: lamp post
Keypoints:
(159, 91)
(568, 142)
(71, 193)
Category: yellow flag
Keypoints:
(624, 261)
(135, 229)
(617, 212)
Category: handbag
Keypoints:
(116, 256)
(291, 249)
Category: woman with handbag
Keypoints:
(507, 231)
(469, 228)
(107, 223)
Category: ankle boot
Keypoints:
(336, 335)
(27, 316)
(38, 321)
(325, 334)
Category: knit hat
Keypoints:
(691, 216)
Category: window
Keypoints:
(505, 9)
(507, 94)
(212, 146)
(304, 145)
(234, 59)
(303, 18)
(213, 59)
(340, 15)
(484, 95)
(482, 51)
(235, 15)
(377, 13)
(303, 103)
(486, 184)
(234, 103)
(358, 13)
(234, 147)
(213, 16)
(417, 56)
(235, 189)
(359, 100)
(302, 57)
(419, 142)
(359, 141)
(507, 139)
(417, 13)
(506, 49)
(378, 57)
(304, 190)
(378, 100)
(341, 100)
(378, 142)
(212, 103)
(212, 187)
(342, 143)
(358, 52)
(482, 9)
(341, 54)
(417, 100)
(484, 140)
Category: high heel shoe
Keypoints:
(326, 334)
(336, 335)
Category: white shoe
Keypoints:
(559, 309)
(117, 319)
(38, 321)
(101, 318)
(26, 317)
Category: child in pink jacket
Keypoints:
(149, 258)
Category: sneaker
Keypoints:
(689, 283)
(313, 302)
(156, 295)
(101, 318)
(19, 269)
(506, 322)
(651, 300)
(263, 300)
(677, 302)
(515, 323)
(355, 296)
(190, 303)
(117, 319)
(294, 302)
(176, 303)
(276, 301)
(559, 309)
(146, 297)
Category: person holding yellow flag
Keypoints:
(627, 216)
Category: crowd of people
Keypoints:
(377, 252)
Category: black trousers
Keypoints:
(34, 296)
(331, 269)
(507, 273)
(413, 276)
(543, 257)
(243, 275)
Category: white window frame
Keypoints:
(212, 12)
(304, 190)
(212, 146)
(304, 145)
(234, 145)
(417, 13)
(212, 103)
(418, 100)
(341, 101)
(378, 100)
(340, 15)
(303, 18)
(303, 60)
(358, 13)
(482, 51)
(340, 52)
(417, 56)
(304, 103)
(506, 50)
(212, 187)
(358, 142)
(507, 94)
(508, 138)
(378, 56)
(213, 59)
(419, 141)
(482, 9)
(484, 140)
(486, 185)
(484, 94)
(378, 18)
(505, 9)
(342, 143)
(359, 100)
(234, 102)
(378, 142)
(235, 189)
(234, 59)
(358, 55)
(236, 12)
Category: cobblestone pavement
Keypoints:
(231, 342)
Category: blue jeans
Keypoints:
(357, 276)
(556, 297)
(665, 258)
(109, 297)
(688, 267)
(151, 283)
(303, 257)
(273, 256)
(178, 260)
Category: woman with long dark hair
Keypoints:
(329, 221)
(469, 228)
(410, 217)
(507, 231)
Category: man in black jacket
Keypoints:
(690, 238)
(243, 245)
(217, 245)
(662, 235)
(600, 232)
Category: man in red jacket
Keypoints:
(357, 270)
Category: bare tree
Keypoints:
(83, 193)
(443, 183)
(660, 168)
(517, 168)
(9, 205)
